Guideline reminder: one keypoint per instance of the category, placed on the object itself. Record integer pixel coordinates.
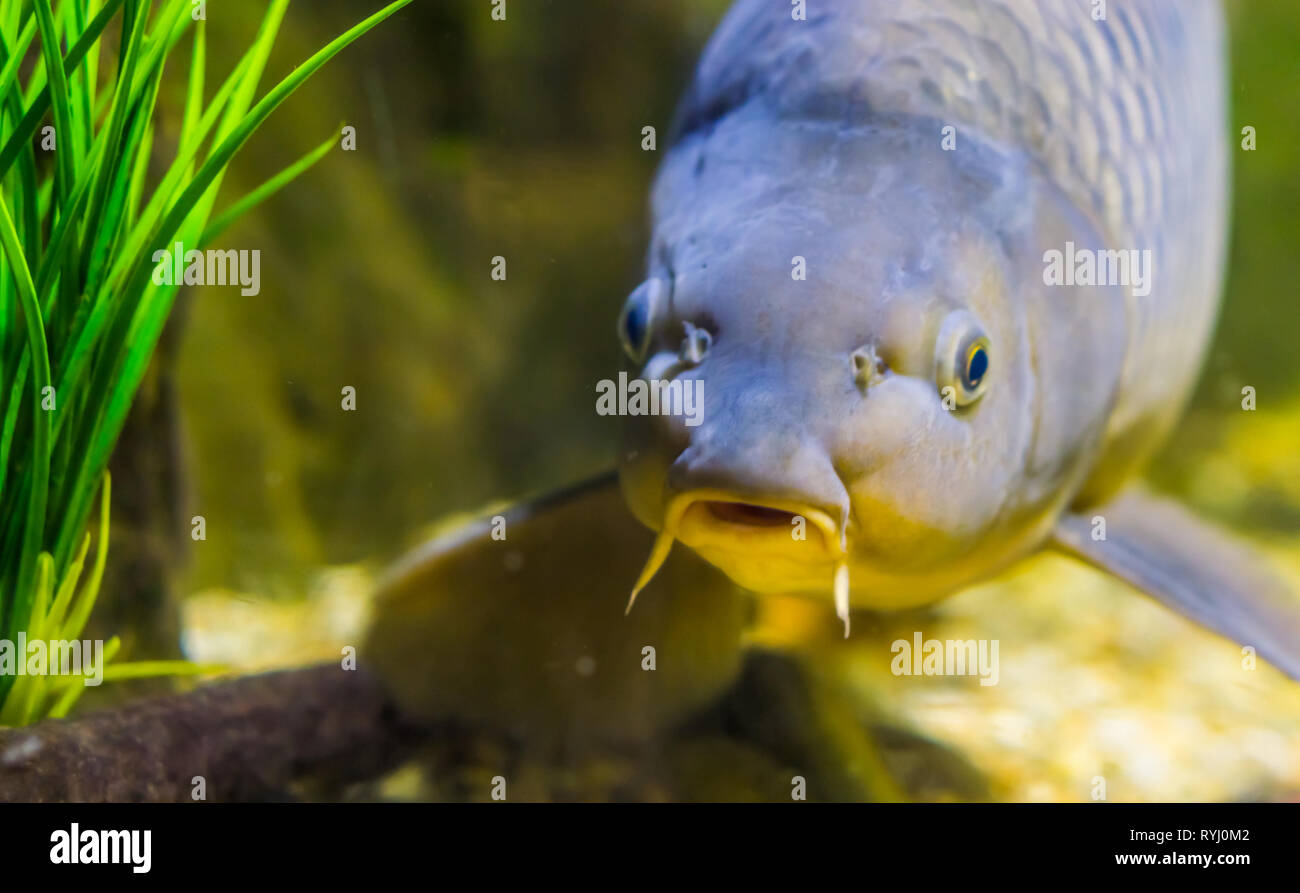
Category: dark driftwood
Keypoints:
(255, 738)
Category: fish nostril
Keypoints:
(695, 347)
(868, 367)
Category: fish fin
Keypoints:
(527, 634)
(1193, 567)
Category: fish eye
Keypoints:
(963, 356)
(636, 324)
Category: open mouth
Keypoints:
(780, 535)
(748, 515)
(715, 518)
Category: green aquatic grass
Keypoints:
(79, 312)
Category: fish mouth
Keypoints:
(719, 520)
(748, 514)
(764, 545)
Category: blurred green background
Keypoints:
(477, 139)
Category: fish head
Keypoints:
(851, 315)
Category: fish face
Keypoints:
(869, 394)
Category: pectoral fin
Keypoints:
(525, 631)
(1193, 567)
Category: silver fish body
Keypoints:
(850, 262)
(921, 158)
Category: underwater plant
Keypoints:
(81, 218)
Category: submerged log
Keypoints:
(253, 738)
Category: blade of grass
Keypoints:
(79, 610)
(194, 93)
(250, 68)
(93, 314)
(221, 222)
(28, 205)
(40, 468)
(83, 90)
(67, 589)
(116, 126)
(69, 689)
(111, 219)
(179, 169)
(10, 420)
(65, 157)
(40, 104)
(88, 309)
(27, 689)
(91, 67)
(117, 377)
(15, 52)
